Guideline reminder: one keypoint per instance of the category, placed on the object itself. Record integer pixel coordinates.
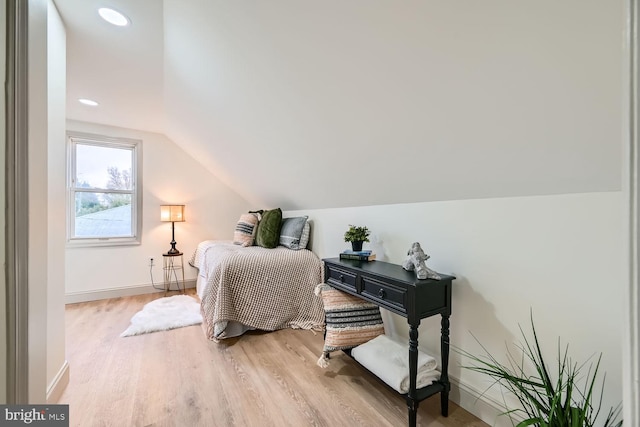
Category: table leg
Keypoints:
(184, 286)
(412, 402)
(444, 377)
(167, 267)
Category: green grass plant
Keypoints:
(563, 397)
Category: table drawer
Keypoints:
(388, 294)
(341, 277)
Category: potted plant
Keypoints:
(565, 396)
(357, 236)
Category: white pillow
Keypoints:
(306, 233)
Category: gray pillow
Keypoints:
(291, 232)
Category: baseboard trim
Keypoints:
(59, 383)
(479, 404)
(126, 291)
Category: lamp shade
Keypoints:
(173, 213)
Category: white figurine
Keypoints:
(415, 260)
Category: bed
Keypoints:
(244, 288)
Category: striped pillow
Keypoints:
(245, 231)
(350, 321)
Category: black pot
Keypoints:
(356, 246)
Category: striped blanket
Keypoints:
(260, 288)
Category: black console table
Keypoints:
(392, 287)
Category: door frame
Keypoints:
(17, 202)
(631, 189)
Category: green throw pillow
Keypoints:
(268, 234)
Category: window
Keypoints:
(104, 190)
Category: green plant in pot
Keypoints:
(357, 236)
(565, 396)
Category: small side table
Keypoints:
(172, 265)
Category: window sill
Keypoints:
(112, 242)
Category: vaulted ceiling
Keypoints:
(120, 67)
(362, 102)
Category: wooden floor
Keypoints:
(179, 378)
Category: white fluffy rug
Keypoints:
(164, 314)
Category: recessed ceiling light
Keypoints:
(113, 17)
(86, 101)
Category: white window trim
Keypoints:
(136, 205)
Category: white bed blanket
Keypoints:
(389, 361)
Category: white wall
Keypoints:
(560, 256)
(470, 99)
(169, 176)
(46, 78)
(38, 197)
(57, 375)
